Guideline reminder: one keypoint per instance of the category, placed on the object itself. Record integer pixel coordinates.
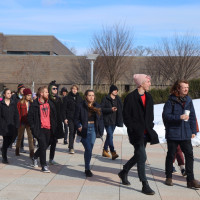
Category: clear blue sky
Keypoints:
(74, 22)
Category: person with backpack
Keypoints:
(180, 123)
(42, 118)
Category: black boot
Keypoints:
(123, 175)
(4, 156)
(146, 188)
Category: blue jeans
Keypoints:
(88, 144)
(109, 138)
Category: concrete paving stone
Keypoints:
(17, 195)
(24, 187)
(33, 180)
(57, 196)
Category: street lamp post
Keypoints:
(92, 58)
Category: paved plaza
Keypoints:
(19, 181)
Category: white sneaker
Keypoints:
(45, 169)
(35, 163)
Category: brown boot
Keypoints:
(114, 155)
(17, 152)
(31, 153)
(106, 153)
(193, 184)
(169, 182)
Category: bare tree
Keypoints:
(112, 44)
(141, 51)
(175, 58)
(81, 71)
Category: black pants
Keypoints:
(72, 132)
(139, 157)
(66, 132)
(7, 141)
(187, 149)
(43, 142)
(53, 142)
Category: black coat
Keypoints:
(15, 98)
(69, 105)
(106, 106)
(9, 118)
(34, 118)
(81, 120)
(177, 129)
(59, 129)
(137, 118)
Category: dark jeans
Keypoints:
(43, 142)
(186, 147)
(66, 132)
(88, 144)
(109, 138)
(139, 158)
(72, 132)
(52, 143)
(7, 141)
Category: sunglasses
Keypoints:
(54, 88)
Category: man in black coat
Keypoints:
(112, 116)
(138, 117)
(56, 100)
(69, 105)
(42, 119)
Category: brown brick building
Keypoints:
(24, 59)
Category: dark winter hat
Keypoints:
(27, 91)
(21, 85)
(53, 83)
(113, 88)
(63, 90)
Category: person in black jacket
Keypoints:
(138, 117)
(9, 122)
(89, 122)
(69, 105)
(42, 118)
(63, 94)
(56, 100)
(112, 115)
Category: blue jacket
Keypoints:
(81, 119)
(177, 129)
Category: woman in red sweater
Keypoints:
(23, 107)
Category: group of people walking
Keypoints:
(45, 117)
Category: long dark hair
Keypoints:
(4, 92)
(91, 107)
